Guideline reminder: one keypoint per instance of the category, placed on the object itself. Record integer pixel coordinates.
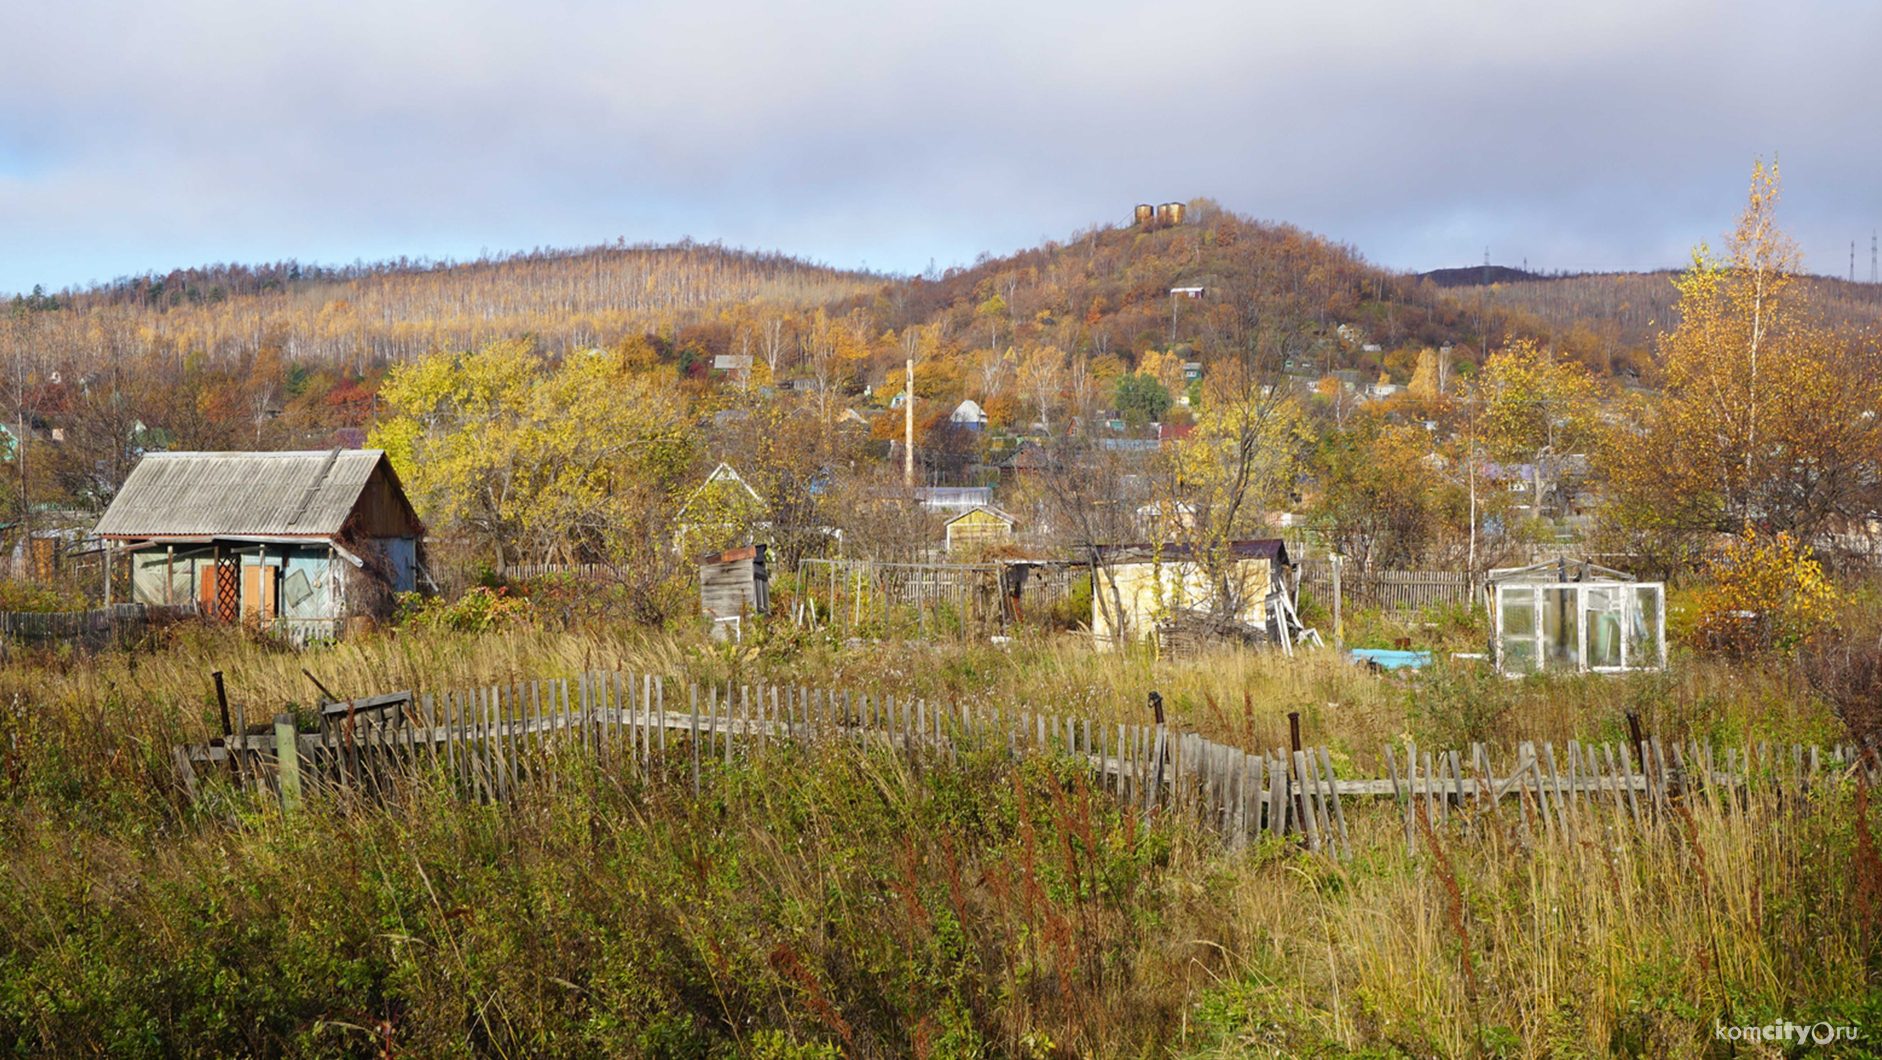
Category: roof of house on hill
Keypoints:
(968, 411)
(987, 509)
(288, 494)
(1030, 456)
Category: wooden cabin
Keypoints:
(298, 542)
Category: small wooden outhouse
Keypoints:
(732, 585)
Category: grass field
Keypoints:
(841, 903)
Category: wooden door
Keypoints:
(258, 591)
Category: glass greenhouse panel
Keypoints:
(1646, 628)
(1604, 609)
(1516, 608)
(1608, 626)
(1561, 625)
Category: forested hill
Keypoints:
(363, 316)
(1299, 300)
(1102, 293)
(1108, 291)
(1611, 321)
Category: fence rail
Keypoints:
(1392, 590)
(496, 742)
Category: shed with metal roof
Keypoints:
(296, 541)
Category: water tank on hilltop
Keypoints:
(1146, 214)
(1170, 213)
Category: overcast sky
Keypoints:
(1582, 135)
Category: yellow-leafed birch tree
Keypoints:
(1768, 418)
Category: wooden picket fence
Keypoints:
(95, 628)
(497, 742)
(1585, 790)
(1390, 590)
(587, 572)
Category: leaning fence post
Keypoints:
(1159, 752)
(236, 762)
(1293, 731)
(1333, 791)
(1307, 819)
(185, 771)
(288, 761)
(222, 700)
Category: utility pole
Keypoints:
(1483, 336)
(908, 426)
(1470, 472)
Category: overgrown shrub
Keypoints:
(27, 596)
(1845, 669)
(479, 610)
(1454, 704)
(1073, 610)
(1764, 593)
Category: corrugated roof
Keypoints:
(234, 494)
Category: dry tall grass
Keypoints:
(1235, 697)
(838, 903)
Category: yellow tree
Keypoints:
(1536, 408)
(1042, 377)
(1239, 462)
(1432, 377)
(527, 458)
(1166, 367)
(1767, 418)
(1379, 495)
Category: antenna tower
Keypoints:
(1873, 278)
